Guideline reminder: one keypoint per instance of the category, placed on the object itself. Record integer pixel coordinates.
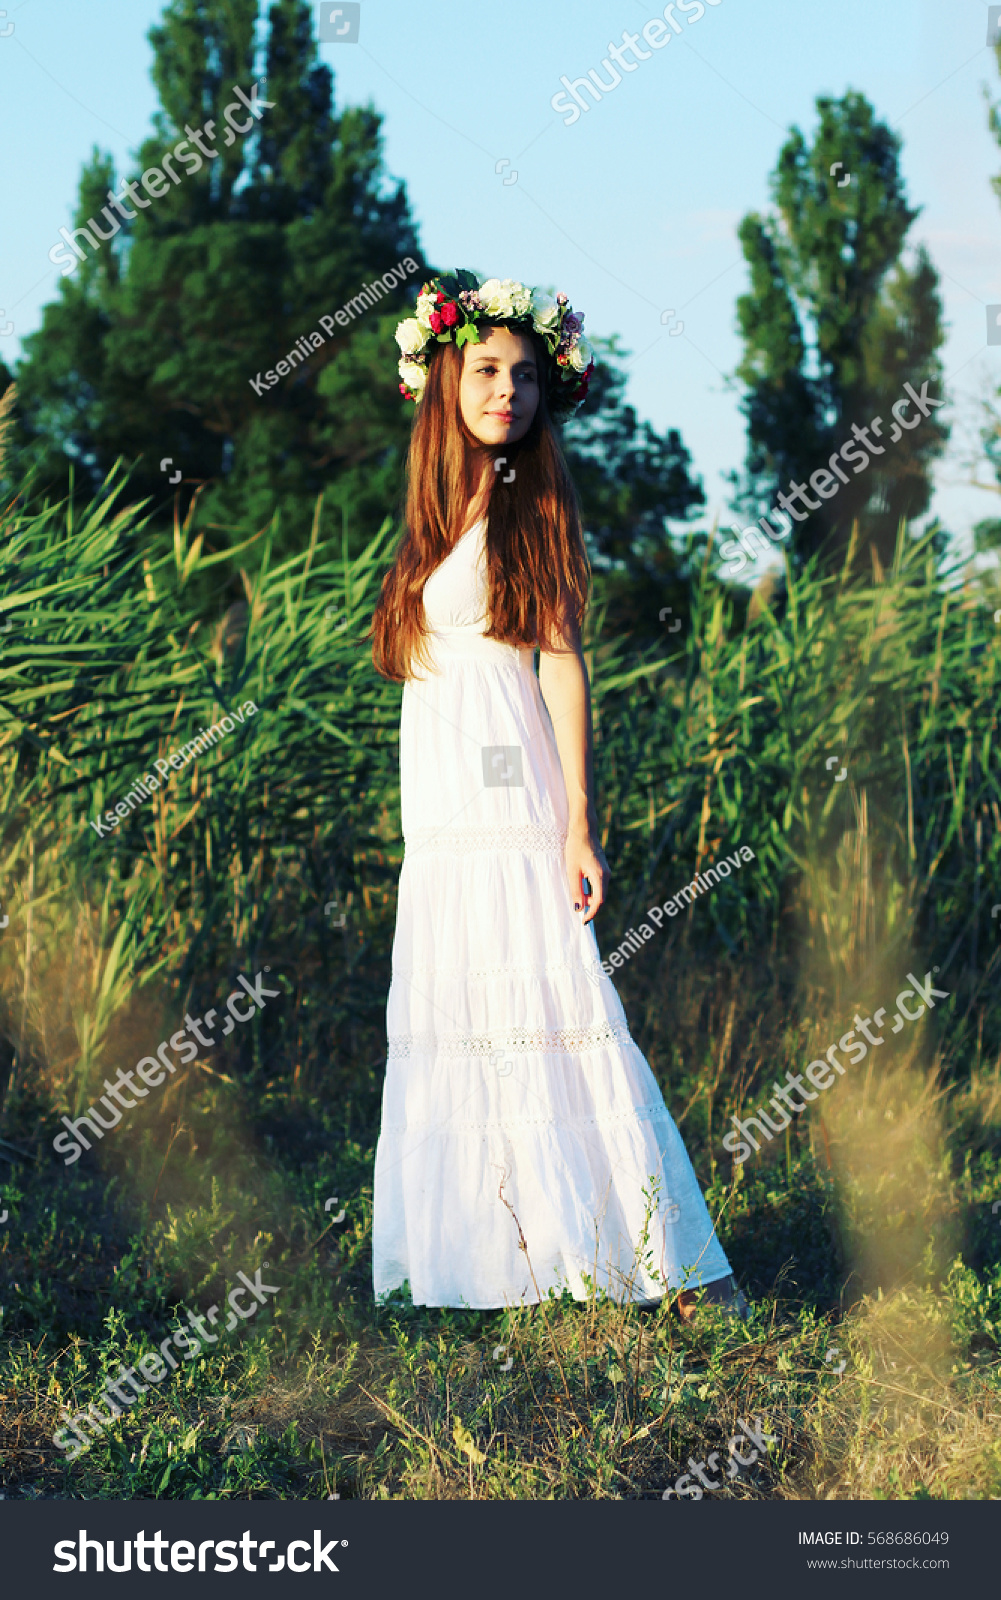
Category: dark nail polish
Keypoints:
(576, 906)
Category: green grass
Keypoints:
(869, 1227)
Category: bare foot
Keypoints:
(722, 1292)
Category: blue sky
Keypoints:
(632, 210)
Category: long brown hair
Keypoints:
(537, 566)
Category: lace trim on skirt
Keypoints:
(519, 1041)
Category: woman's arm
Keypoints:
(567, 693)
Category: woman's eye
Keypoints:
(488, 371)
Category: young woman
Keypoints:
(524, 1143)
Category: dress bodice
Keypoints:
(455, 595)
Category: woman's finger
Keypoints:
(594, 906)
(595, 870)
(596, 877)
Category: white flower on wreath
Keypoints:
(505, 298)
(410, 336)
(522, 300)
(545, 312)
(496, 298)
(426, 303)
(581, 356)
(412, 375)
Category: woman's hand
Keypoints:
(583, 854)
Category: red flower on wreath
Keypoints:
(436, 321)
(579, 390)
(449, 314)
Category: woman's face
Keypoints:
(499, 387)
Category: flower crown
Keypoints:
(450, 307)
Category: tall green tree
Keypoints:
(154, 345)
(634, 483)
(835, 324)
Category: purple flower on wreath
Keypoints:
(470, 300)
(572, 323)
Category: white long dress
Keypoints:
(510, 1065)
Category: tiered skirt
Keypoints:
(525, 1145)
